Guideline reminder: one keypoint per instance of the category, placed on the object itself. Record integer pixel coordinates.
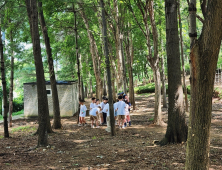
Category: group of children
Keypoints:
(100, 112)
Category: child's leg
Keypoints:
(101, 118)
(80, 120)
(83, 120)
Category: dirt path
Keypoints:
(76, 147)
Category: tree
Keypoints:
(106, 52)
(55, 99)
(176, 128)
(5, 105)
(147, 12)
(182, 59)
(43, 111)
(204, 56)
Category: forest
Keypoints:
(165, 56)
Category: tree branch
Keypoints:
(204, 7)
(201, 19)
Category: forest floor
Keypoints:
(75, 147)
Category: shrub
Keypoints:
(149, 88)
(18, 104)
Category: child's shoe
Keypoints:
(92, 126)
(97, 126)
(79, 124)
(125, 124)
(120, 127)
(129, 123)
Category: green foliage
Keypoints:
(18, 104)
(217, 93)
(149, 88)
(23, 128)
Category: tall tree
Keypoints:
(11, 81)
(55, 99)
(204, 56)
(106, 52)
(182, 58)
(5, 105)
(94, 53)
(43, 111)
(176, 128)
(147, 12)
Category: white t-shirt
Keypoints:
(92, 105)
(82, 111)
(127, 109)
(106, 107)
(93, 111)
(121, 108)
(102, 105)
(115, 106)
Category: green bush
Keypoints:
(149, 88)
(18, 104)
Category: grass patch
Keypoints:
(151, 119)
(14, 114)
(1, 137)
(149, 88)
(23, 129)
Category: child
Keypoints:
(97, 103)
(82, 113)
(127, 114)
(103, 115)
(115, 109)
(121, 112)
(93, 116)
(106, 110)
(92, 105)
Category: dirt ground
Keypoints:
(76, 147)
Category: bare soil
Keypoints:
(75, 147)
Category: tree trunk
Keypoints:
(95, 55)
(43, 111)
(55, 99)
(163, 83)
(11, 82)
(5, 105)
(177, 128)
(204, 57)
(82, 88)
(77, 61)
(158, 113)
(182, 59)
(129, 54)
(106, 52)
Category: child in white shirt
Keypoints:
(82, 113)
(127, 114)
(121, 112)
(92, 105)
(93, 116)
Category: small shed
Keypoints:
(67, 93)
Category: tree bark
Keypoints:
(204, 57)
(43, 111)
(182, 59)
(106, 52)
(11, 82)
(157, 112)
(176, 128)
(129, 54)
(163, 83)
(55, 100)
(5, 105)
(95, 55)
